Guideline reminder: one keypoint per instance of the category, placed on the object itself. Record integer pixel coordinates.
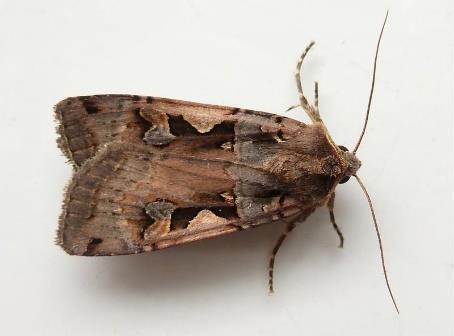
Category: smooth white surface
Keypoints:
(240, 54)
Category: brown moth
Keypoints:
(152, 173)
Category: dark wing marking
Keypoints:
(86, 123)
(135, 198)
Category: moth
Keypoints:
(152, 173)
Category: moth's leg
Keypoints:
(333, 220)
(289, 227)
(311, 111)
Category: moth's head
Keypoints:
(353, 164)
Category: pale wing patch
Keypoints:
(202, 123)
(202, 117)
(206, 219)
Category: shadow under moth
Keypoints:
(152, 173)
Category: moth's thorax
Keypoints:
(307, 153)
(353, 163)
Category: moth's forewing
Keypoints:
(131, 198)
(157, 172)
(86, 123)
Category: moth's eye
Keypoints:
(343, 148)
(345, 179)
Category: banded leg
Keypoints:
(333, 220)
(288, 229)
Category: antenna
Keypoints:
(372, 86)
(380, 244)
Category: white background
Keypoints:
(238, 54)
